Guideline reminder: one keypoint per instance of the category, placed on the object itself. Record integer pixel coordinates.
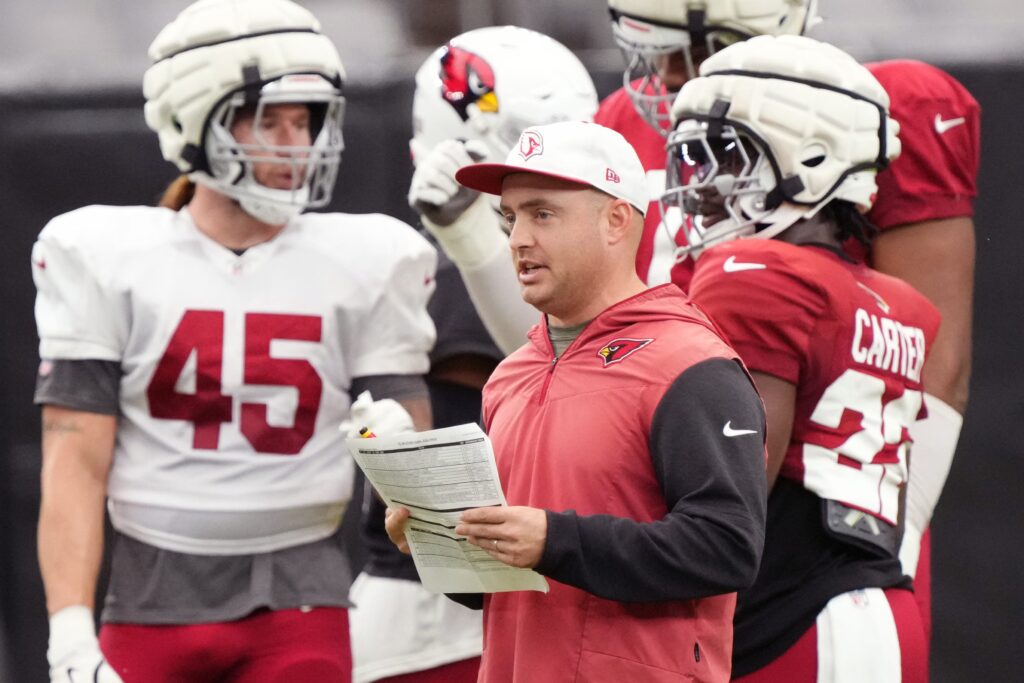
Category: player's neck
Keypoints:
(221, 219)
(815, 230)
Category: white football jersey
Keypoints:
(236, 369)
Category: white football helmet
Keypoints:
(776, 127)
(222, 58)
(664, 41)
(490, 83)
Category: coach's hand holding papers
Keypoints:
(428, 479)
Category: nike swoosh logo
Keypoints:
(731, 265)
(941, 126)
(727, 430)
(72, 678)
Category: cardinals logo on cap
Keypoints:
(467, 79)
(619, 349)
(531, 143)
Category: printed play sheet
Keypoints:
(436, 475)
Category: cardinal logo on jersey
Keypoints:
(467, 79)
(620, 349)
(531, 143)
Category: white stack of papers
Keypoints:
(437, 475)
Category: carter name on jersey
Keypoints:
(888, 345)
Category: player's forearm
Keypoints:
(70, 546)
(419, 409)
(494, 290)
(937, 258)
(77, 450)
(779, 398)
(947, 372)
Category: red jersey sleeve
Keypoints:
(936, 172)
(618, 113)
(763, 305)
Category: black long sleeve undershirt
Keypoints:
(710, 541)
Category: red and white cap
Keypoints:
(576, 151)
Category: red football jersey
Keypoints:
(655, 259)
(851, 339)
(935, 174)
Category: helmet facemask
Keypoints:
(312, 168)
(653, 51)
(731, 172)
(718, 181)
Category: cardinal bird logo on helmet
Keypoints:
(620, 349)
(467, 79)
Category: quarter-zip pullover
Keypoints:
(644, 441)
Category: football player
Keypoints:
(778, 142)
(924, 206)
(664, 44)
(198, 358)
(473, 96)
(924, 211)
(473, 99)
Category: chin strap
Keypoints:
(276, 207)
(783, 192)
(274, 212)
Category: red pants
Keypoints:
(457, 672)
(800, 663)
(266, 647)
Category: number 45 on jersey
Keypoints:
(202, 333)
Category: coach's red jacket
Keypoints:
(645, 443)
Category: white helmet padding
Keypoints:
(219, 56)
(649, 31)
(814, 122)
